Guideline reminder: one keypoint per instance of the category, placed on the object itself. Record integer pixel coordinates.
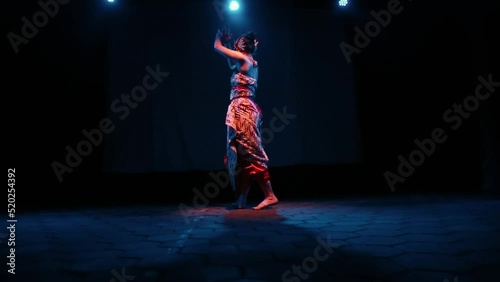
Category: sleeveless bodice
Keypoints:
(242, 86)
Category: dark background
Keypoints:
(180, 125)
(394, 91)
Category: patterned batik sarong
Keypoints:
(245, 155)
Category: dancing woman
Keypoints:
(245, 159)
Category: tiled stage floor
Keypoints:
(432, 238)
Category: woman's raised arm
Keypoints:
(224, 51)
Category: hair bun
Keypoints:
(250, 36)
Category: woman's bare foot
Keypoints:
(269, 201)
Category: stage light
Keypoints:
(343, 3)
(110, 1)
(234, 5)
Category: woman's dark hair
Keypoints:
(248, 42)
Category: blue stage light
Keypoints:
(234, 5)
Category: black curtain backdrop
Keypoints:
(426, 60)
(305, 87)
(353, 120)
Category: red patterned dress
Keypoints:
(245, 156)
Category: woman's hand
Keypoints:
(226, 35)
(218, 35)
(217, 41)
